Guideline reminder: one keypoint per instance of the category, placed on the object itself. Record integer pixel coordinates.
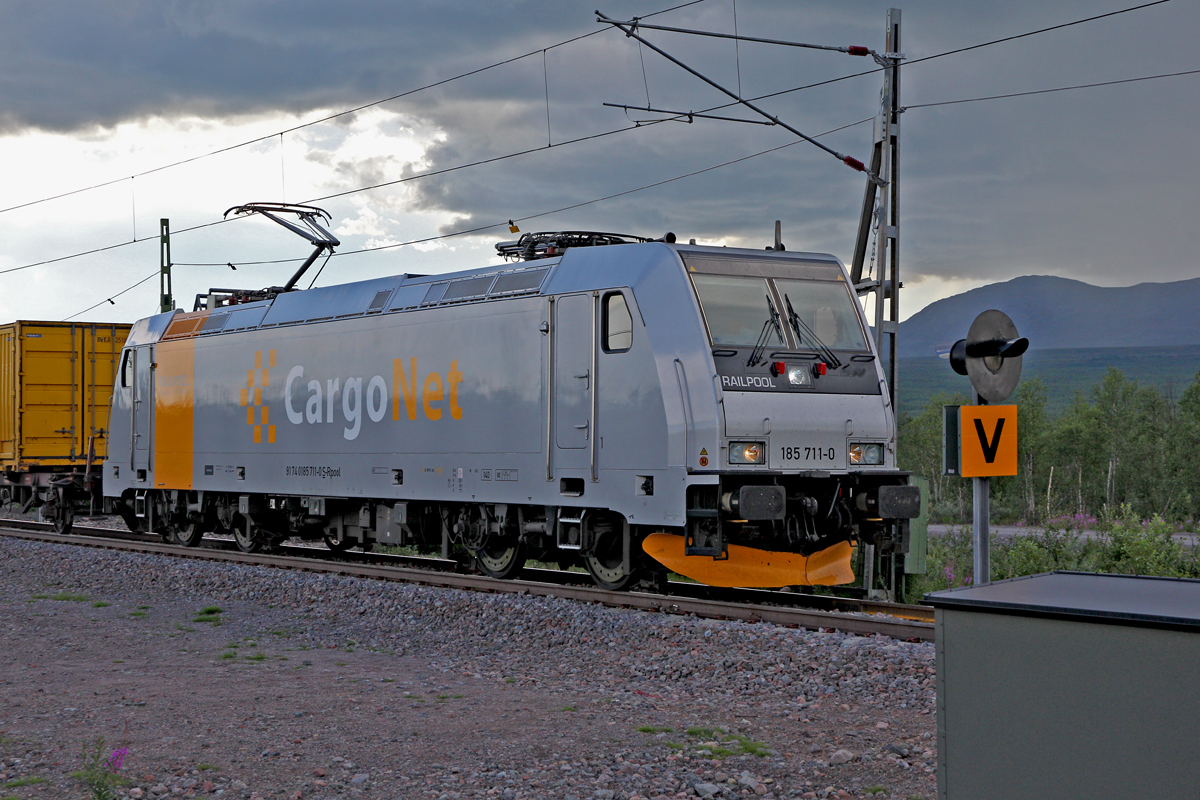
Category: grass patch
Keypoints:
(398, 550)
(119, 661)
(723, 744)
(752, 748)
(210, 614)
(144, 608)
(674, 745)
(257, 657)
(227, 656)
(207, 767)
(32, 780)
(339, 663)
(570, 708)
(138, 614)
(184, 628)
(39, 597)
(510, 680)
(70, 597)
(653, 729)
(874, 789)
(101, 604)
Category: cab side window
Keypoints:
(127, 370)
(618, 324)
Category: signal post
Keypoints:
(980, 441)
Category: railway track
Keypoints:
(900, 621)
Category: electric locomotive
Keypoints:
(629, 404)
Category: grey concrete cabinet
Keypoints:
(1069, 685)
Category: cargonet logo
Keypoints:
(258, 416)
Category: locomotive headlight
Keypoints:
(866, 453)
(747, 452)
(799, 376)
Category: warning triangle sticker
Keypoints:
(703, 451)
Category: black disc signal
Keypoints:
(990, 356)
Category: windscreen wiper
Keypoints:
(771, 322)
(804, 331)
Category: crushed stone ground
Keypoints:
(315, 686)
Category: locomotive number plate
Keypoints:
(808, 453)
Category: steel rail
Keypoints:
(368, 566)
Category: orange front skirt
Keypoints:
(749, 567)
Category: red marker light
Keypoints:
(858, 50)
(819, 368)
(778, 368)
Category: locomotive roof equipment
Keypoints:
(552, 243)
(310, 228)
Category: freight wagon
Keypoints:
(56, 382)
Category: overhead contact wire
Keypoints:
(634, 127)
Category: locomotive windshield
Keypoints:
(737, 309)
(740, 311)
(825, 307)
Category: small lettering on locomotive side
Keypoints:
(312, 471)
(739, 381)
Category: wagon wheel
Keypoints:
(64, 517)
(247, 537)
(501, 556)
(606, 565)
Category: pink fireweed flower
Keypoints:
(117, 759)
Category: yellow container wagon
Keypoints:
(56, 381)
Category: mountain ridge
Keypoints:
(1060, 313)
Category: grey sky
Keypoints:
(1097, 184)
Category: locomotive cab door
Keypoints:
(574, 380)
(143, 408)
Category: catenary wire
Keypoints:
(1050, 91)
(640, 124)
(111, 299)
(330, 117)
(909, 63)
(481, 228)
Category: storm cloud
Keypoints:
(1095, 184)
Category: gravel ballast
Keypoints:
(310, 685)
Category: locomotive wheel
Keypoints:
(190, 532)
(248, 541)
(336, 546)
(64, 518)
(605, 565)
(501, 557)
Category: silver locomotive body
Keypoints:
(568, 408)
